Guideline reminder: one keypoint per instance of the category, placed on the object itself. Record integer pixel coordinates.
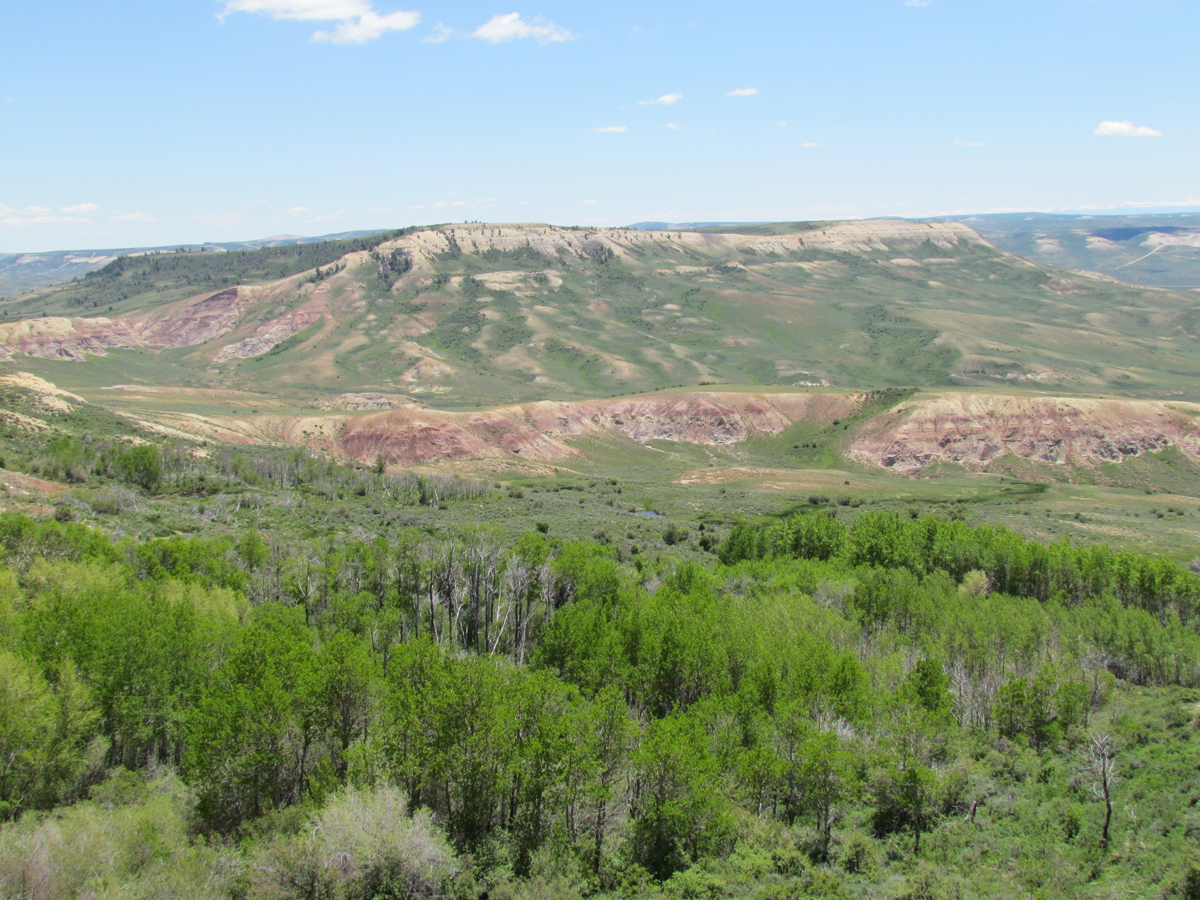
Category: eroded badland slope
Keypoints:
(522, 335)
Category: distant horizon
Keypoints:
(1157, 212)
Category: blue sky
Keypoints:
(136, 123)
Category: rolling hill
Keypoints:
(880, 345)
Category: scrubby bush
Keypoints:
(363, 845)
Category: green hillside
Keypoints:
(485, 314)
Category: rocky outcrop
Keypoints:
(369, 402)
(188, 324)
(976, 430)
(180, 325)
(541, 431)
(972, 430)
(45, 394)
(694, 417)
(626, 243)
(269, 335)
(55, 337)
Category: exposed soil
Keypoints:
(974, 430)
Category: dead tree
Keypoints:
(1100, 760)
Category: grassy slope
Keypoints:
(576, 325)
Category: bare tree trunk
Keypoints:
(1100, 760)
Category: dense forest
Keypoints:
(894, 707)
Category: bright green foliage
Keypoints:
(248, 742)
(572, 725)
(678, 811)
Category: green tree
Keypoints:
(678, 810)
(248, 748)
(337, 696)
(824, 779)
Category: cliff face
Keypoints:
(975, 430)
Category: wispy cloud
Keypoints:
(591, 201)
(311, 215)
(132, 217)
(440, 33)
(918, 2)
(664, 100)
(742, 92)
(809, 144)
(781, 124)
(357, 21)
(673, 126)
(962, 143)
(1125, 129)
(510, 26)
(41, 215)
(612, 129)
(451, 204)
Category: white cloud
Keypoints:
(591, 201)
(781, 124)
(132, 217)
(440, 33)
(742, 92)
(80, 208)
(1125, 129)
(918, 2)
(612, 129)
(299, 211)
(40, 215)
(357, 21)
(810, 144)
(673, 126)
(367, 27)
(511, 26)
(664, 100)
(961, 143)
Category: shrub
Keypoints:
(362, 845)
